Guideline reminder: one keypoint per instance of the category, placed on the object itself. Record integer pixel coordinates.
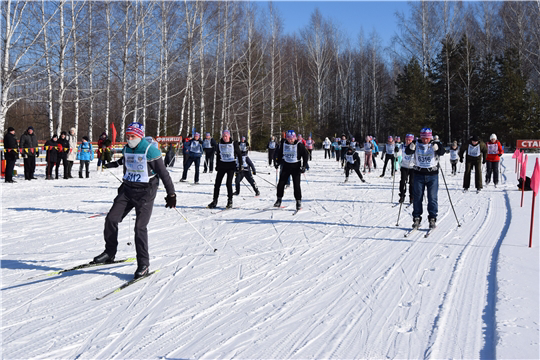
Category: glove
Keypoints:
(412, 146)
(276, 166)
(460, 160)
(170, 201)
(254, 172)
(302, 169)
(241, 168)
(484, 161)
(435, 147)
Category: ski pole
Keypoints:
(276, 177)
(117, 178)
(178, 211)
(401, 204)
(449, 198)
(266, 180)
(393, 182)
(243, 182)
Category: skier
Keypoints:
(399, 153)
(294, 157)
(143, 167)
(495, 152)
(454, 157)
(389, 150)
(246, 173)
(195, 147)
(170, 156)
(326, 145)
(243, 146)
(62, 154)
(103, 144)
(368, 147)
(476, 155)
(226, 153)
(11, 149)
(407, 173)
(30, 150)
(85, 154)
(426, 175)
(72, 153)
(337, 149)
(185, 150)
(344, 147)
(52, 156)
(375, 151)
(309, 146)
(271, 149)
(209, 147)
(352, 163)
(302, 140)
(353, 144)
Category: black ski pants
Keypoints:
(245, 174)
(10, 165)
(271, 153)
(142, 199)
(29, 167)
(327, 152)
(219, 179)
(86, 164)
(356, 168)
(338, 155)
(492, 167)
(292, 170)
(387, 158)
(454, 166)
(191, 160)
(407, 176)
(209, 160)
(476, 164)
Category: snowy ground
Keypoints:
(336, 280)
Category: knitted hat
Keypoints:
(390, 138)
(196, 134)
(63, 133)
(475, 138)
(398, 139)
(426, 133)
(409, 136)
(85, 138)
(136, 129)
(10, 129)
(493, 137)
(30, 128)
(291, 134)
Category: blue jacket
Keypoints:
(85, 152)
(375, 147)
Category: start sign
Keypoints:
(528, 144)
(169, 139)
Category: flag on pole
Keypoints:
(523, 176)
(516, 154)
(535, 183)
(113, 133)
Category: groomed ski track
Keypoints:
(337, 280)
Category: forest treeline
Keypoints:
(461, 68)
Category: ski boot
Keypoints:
(142, 270)
(432, 223)
(298, 205)
(363, 180)
(346, 179)
(257, 192)
(213, 204)
(237, 192)
(401, 199)
(183, 180)
(277, 203)
(229, 203)
(416, 222)
(103, 258)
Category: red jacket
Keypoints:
(495, 151)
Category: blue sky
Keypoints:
(349, 16)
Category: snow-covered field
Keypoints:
(336, 280)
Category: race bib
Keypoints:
(353, 144)
(207, 144)
(272, 145)
(493, 149)
(226, 152)
(424, 157)
(367, 147)
(136, 168)
(242, 146)
(195, 147)
(453, 154)
(473, 151)
(349, 159)
(344, 143)
(390, 149)
(290, 153)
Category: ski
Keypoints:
(408, 233)
(83, 266)
(429, 232)
(296, 211)
(126, 284)
(97, 215)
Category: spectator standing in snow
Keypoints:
(11, 151)
(72, 153)
(85, 154)
(30, 150)
(63, 150)
(51, 146)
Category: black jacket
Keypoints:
(52, 151)
(220, 165)
(62, 154)
(11, 147)
(27, 142)
(356, 158)
(303, 155)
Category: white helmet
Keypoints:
(493, 137)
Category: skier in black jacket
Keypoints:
(294, 157)
(246, 173)
(227, 152)
(352, 162)
(62, 154)
(11, 149)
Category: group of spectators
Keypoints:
(63, 150)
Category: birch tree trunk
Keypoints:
(75, 68)
(61, 71)
(109, 55)
(48, 69)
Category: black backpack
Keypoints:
(527, 183)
